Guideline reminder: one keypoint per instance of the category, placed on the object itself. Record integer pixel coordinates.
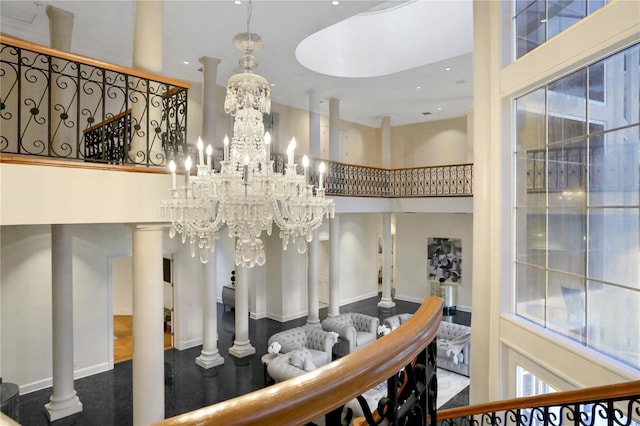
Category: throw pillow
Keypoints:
(297, 361)
(308, 364)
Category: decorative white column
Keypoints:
(62, 100)
(313, 297)
(334, 129)
(386, 301)
(64, 401)
(148, 333)
(334, 266)
(386, 142)
(209, 356)
(314, 125)
(209, 104)
(334, 224)
(147, 56)
(242, 346)
(313, 257)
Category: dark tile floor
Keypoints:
(107, 397)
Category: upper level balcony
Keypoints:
(96, 120)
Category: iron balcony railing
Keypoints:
(62, 106)
(59, 105)
(617, 404)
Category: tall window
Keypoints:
(577, 206)
(536, 21)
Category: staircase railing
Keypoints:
(60, 105)
(617, 404)
(323, 392)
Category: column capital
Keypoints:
(207, 60)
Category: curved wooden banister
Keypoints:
(558, 398)
(302, 399)
(89, 61)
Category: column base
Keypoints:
(209, 359)
(58, 409)
(241, 350)
(386, 303)
(313, 323)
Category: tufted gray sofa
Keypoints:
(454, 343)
(315, 340)
(356, 329)
(454, 347)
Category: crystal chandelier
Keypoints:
(246, 194)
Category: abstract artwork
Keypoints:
(444, 259)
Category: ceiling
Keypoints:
(429, 48)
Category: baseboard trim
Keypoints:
(77, 374)
(187, 344)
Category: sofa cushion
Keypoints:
(364, 338)
(319, 358)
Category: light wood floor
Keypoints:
(123, 338)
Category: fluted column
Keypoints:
(64, 401)
(148, 333)
(242, 346)
(385, 300)
(209, 356)
(147, 56)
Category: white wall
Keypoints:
(429, 144)
(412, 232)
(25, 290)
(358, 251)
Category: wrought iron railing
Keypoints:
(617, 404)
(59, 105)
(363, 181)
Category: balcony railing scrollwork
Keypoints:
(60, 105)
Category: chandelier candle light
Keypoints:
(246, 194)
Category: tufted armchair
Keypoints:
(395, 321)
(356, 329)
(290, 365)
(316, 341)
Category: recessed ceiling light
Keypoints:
(447, 69)
(439, 108)
(273, 85)
(335, 2)
(418, 87)
(186, 62)
(237, 2)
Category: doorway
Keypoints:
(122, 283)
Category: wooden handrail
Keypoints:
(89, 61)
(302, 399)
(107, 121)
(630, 389)
(45, 161)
